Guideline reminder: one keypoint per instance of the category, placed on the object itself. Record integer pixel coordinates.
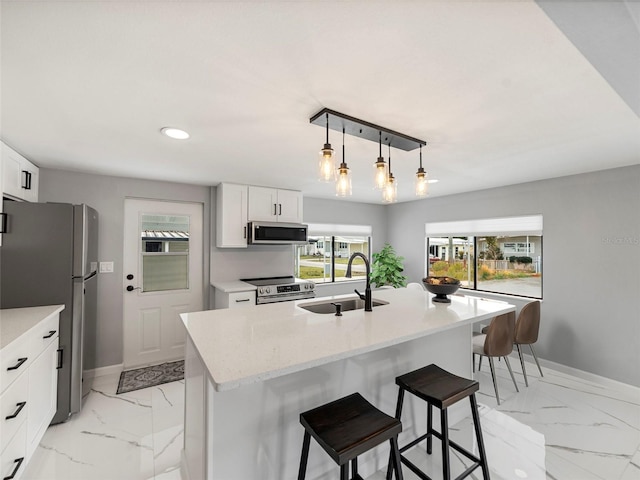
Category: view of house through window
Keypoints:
(325, 257)
(165, 252)
(509, 263)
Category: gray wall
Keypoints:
(106, 194)
(591, 261)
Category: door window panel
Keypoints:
(165, 252)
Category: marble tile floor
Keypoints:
(561, 428)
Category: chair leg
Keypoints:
(476, 424)
(473, 362)
(480, 362)
(395, 454)
(493, 376)
(444, 431)
(344, 471)
(354, 468)
(305, 455)
(536, 359)
(398, 415)
(506, 360)
(524, 369)
(429, 429)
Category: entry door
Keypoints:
(163, 278)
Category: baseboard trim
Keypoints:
(103, 371)
(588, 376)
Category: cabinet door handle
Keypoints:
(51, 334)
(275, 209)
(19, 364)
(18, 461)
(20, 406)
(240, 300)
(245, 232)
(27, 180)
(280, 206)
(60, 355)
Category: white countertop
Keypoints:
(233, 287)
(246, 345)
(15, 322)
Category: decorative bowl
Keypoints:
(441, 287)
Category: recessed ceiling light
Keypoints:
(433, 180)
(174, 133)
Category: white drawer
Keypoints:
(12, 459)
(14, 360)
(13, 409)
(16, 357)
(242, 299)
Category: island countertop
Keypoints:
(246, 345)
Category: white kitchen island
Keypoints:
(250, 372)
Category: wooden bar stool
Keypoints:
(346, 428)
(442, 389)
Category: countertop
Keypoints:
(232, 287)
(247, 345)
(15, 322)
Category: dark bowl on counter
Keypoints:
(441, 287)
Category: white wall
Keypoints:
(591, 261)
(106, 194)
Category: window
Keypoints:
(324, 259)
(493, 255)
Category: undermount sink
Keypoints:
(347, 304)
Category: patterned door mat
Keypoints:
(150, 376)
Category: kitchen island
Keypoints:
(250, 372)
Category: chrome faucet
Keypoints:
(368, 304)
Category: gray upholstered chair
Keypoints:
(497, 342)
(415, 286)
(527, 327)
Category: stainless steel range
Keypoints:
(281, 289)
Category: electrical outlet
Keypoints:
(106, 267)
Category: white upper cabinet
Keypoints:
(231, 216)
(274, 205)
(19, 175)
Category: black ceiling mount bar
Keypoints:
(369, 131)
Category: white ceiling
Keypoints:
(500, 94)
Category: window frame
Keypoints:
(530, 225)
(331, 233)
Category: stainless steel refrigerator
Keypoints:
(49, 255)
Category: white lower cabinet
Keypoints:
(29, 384)
(235, 299)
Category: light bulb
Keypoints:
(380, 178)
(390, 191)
(421, 183)
(326, 164)
(343, 183)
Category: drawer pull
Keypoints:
(19, 364)
(243, 300)
(18, 461)
(17, 412)
(51, 334)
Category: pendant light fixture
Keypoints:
(421, 179)
(390, 191)
(326, 161)
(343, 182)
(380, 168)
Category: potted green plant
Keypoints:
(387, 268)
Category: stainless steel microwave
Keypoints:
(277, 233)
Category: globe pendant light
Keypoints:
(390, 191)
(343, 183)
(421, 179)
(380, 169)
(326, 161)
